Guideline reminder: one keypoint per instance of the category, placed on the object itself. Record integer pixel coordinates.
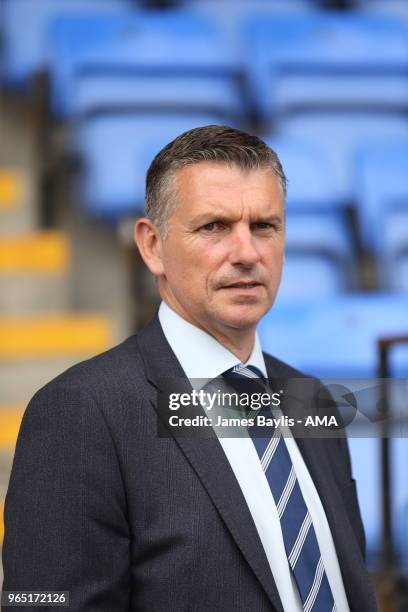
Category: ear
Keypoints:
(149, 243)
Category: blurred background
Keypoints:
(90, 92)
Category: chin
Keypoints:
(243, 317)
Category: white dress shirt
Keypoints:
(203, 357)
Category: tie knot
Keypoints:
(243, 371)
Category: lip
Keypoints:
(244, 286)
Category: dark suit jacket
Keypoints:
(101, 506)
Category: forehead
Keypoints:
(209, 184)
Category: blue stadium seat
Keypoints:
(152, 59)
(319, 247)
(94, 92)
(24, 29)
(116, 150)
(383, 203)
(311, 276)
(232, 14)
(337, 91)
(294, 63)
(401, 273)
(398, 8)
(342, 136)
(316, 221)
(312, 181)
(337, 338)
(366, 466)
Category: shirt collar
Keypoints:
(200, 355)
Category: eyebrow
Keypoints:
(210, 217)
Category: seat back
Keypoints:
(322, 46)
(150, 46)
(338, 337)
(116, 150)
(25, 32)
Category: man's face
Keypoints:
(222, 255)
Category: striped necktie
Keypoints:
(302, 548)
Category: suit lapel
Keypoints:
(207, 458)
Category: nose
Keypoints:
(243, 248)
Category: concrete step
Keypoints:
(35, 349)
(42, 253)
(54, 335)
(33, 273)
(19, 380)
(6, 461)
(18, 200)
(27, 294)
(18, 221)
(11, 188)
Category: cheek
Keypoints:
(205, 259)
(192, 264)
(273, 253)
(186, 269)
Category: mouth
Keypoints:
(243, 285)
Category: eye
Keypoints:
(263, 225)
(211, 227)
(208, 227)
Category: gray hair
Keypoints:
(212, 143)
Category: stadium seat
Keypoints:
(382, 186)
(393, 266)
(312, 182)
(295, 92)
(337, 338)
(24, 31)
(366, 466)
(232, 14)
(311, 276)
(400, 273)
(156, 59)
(294, 63)
(116, 150)
(398, 8)
(342, 136)
(316, 217)
(93, 92)
(319, 247)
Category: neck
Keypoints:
(239, 341)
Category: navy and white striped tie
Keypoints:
(302, 548)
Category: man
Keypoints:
(101, 506)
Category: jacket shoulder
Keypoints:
(110, 369)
